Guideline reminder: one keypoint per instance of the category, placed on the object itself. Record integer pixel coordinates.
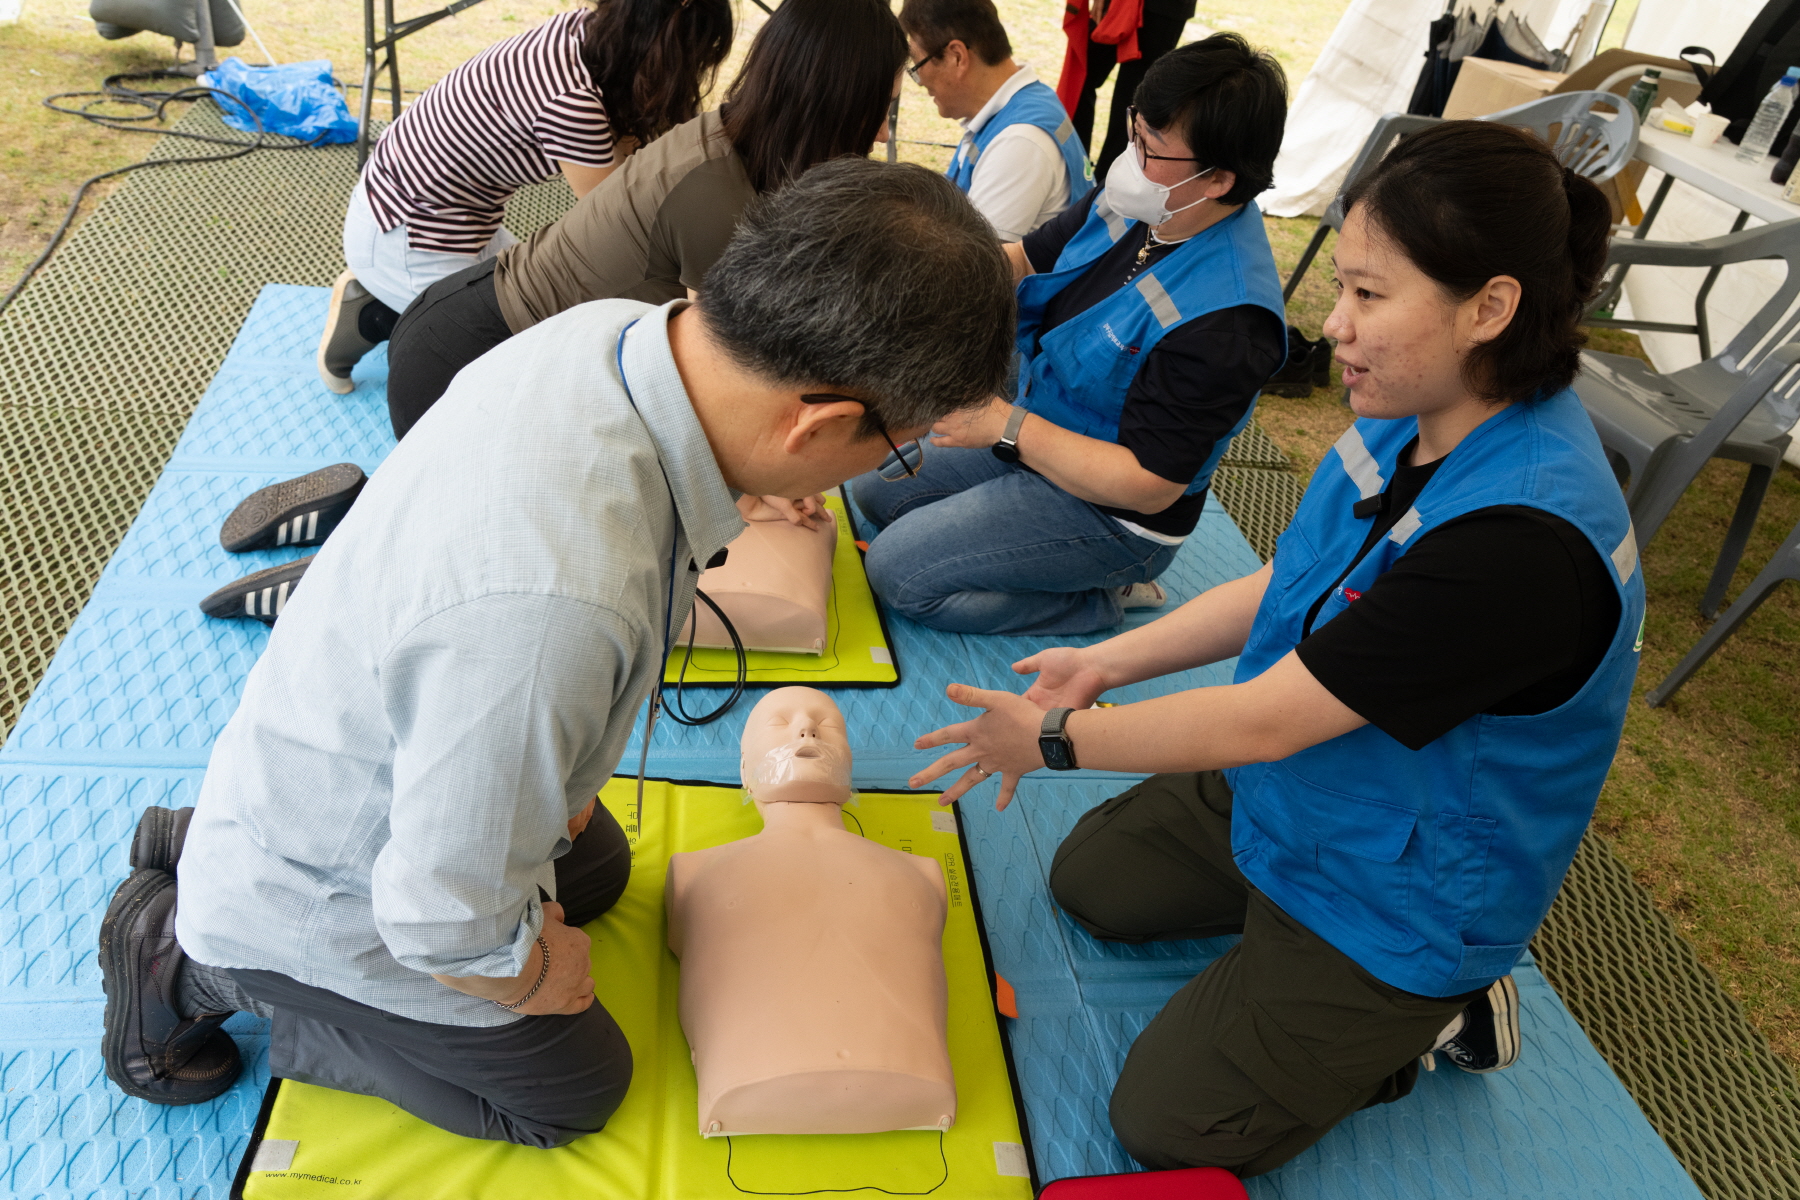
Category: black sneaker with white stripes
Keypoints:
(260, 596)
(1489, 1038)
(294, 512)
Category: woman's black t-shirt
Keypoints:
(1506, 610)
(1195, 383)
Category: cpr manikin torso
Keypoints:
(812, 970)
(775, 584)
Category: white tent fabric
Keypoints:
(1368, 68)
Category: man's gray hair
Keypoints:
(877, 280)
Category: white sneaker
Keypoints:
(1142, 595)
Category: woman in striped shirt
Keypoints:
(574, 95)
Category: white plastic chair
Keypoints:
(1587, 142)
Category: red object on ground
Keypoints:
(1192, 1183)
(1006, 1001)
(1118, 26)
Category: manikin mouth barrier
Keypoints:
(805, 759)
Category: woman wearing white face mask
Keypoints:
(1150, 314)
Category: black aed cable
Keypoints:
(676, 709)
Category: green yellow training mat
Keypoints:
(345, 1145)
(858, 651)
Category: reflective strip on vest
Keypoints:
(1064, 132)
(1625, 554)
(1405, 527)
(1359, 464)
(1158, 299)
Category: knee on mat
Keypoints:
(1166, 1140)
(576, 1111)
(1092, 894)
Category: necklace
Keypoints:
(1151, 241)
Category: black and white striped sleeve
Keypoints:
(572, 128)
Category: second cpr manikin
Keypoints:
(813, 993)
(775, 585)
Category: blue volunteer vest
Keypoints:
(1033, 104)
(1077, 374)
(1432, 868)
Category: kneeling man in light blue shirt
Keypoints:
(412, 769)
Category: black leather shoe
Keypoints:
(1308, 366)
(260, 595)
(160, 833)
(294, 512)
(151, 1051)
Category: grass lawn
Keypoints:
(1704, 800)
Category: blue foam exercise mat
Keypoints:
(126, 715)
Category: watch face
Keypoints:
(1056, 753)
(1006, 452)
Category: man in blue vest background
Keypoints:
(1020, 161)
(1150, 315)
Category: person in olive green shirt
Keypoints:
(816, 85)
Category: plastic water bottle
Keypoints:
(1769, 116)
(1643, 93)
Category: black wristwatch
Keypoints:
(1007, 448)
(1054, 744)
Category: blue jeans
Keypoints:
(975, 545)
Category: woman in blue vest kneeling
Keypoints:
(1431, 680)
(1149, 315)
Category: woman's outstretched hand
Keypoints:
(1066, 678)
(1002, 741)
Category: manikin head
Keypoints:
(795, 749)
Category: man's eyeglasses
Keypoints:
(912, 70)
(909, 456)
(1144, 156)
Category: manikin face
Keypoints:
(796, 749)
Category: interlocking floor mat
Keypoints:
(127, 713)
(858, 650)
(651, 1149)
(1557, 1125)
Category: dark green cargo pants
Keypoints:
(1269, 1047)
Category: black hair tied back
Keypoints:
(1466, 201)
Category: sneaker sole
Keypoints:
(340, 384)
(312, 505)
(260, 596)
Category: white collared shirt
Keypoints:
(1020, 181)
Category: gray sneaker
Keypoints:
(342, 345)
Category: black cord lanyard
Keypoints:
(678, 709)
